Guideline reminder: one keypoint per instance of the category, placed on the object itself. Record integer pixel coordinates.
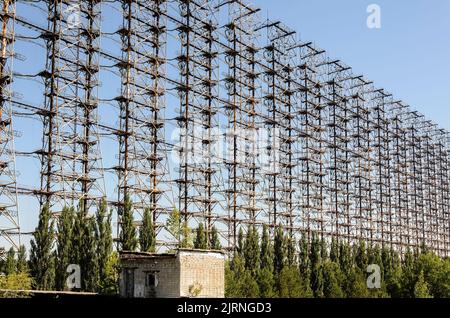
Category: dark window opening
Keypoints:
(152, 281)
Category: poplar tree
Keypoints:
(332, 280)
(361, 257)
(316, 270)
(89, 261)
(85, 252)
(240, 242)
(234, 274)
(279, 259)
(41, 256)
(200, 238)
(147, 233)
(22, 264)
(421, 289)
(104, 240)
(304, 261)
(323, 248)
(392, 271)
(266, 250)
(186, 239)
(64, 239)
(214, 240)
(174, 226)
(252, 251)
(292, 285)
(11, 264)
(290, 251)
(334, 250)
(266, 281)
(128, 239)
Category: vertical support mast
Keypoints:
(72, 171)
(142, 170)
(9, 212)
(241, 111)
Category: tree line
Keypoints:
(76, 237)
(261, 267)
(258, 267)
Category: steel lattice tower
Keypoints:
(70, 157)
(9, 217)
(204, 107)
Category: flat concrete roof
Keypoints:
(147, 255)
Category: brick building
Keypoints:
(185, 273)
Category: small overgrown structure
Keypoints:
(183, 273)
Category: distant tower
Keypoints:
(72, 170)
(9, 217)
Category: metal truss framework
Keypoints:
(271, 130)
(9, 218)
(70, 157)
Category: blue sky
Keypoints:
(408, 56)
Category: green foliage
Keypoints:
(333, 270)
(234, 272)
(22, 264)
(436, 274)
(334, 250)
(355, 284)
(240, 242)
(147, 238)
(214, 241)
(304, 260)
(84, 240)
(90, 258)
(104, 240)
(200, 238)
(128, 239)
(249, 287)
(85, 252)
(230, 282)
(408, 278)
(42, 263)
(291, 258)
(173, 224)
(266, 283)
(332, 280)
(186, 238)
(64, 239)
(315, 257)
(13, 282)
(10, 266)
(361, 257)
(279, 245)
(291, 284)
(421, 289)
(252, 251)
(266, 258)
(179, 230)
(239, 280)
(392, 272)
(110, 283)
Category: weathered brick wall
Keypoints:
(167, 272)
(168, 277)
(188, 274)
(202, 271)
